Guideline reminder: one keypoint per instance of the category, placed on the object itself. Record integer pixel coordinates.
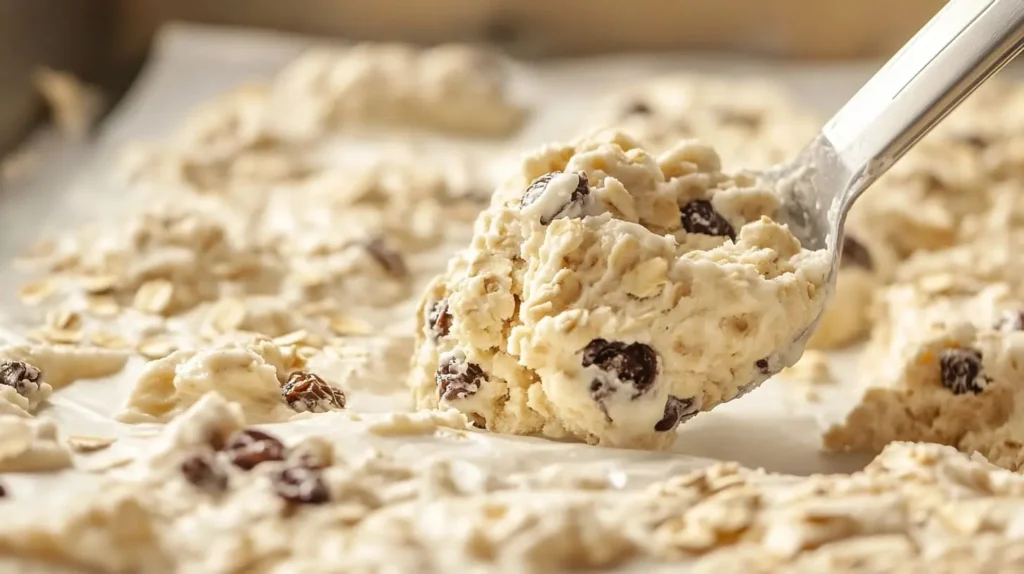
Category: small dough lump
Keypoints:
(240, 373)
(608, 295)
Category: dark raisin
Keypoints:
(973, 140)
(307, 392)
(300, 484)
(699, 216)
(855, 254)
(540, 185)
(763, 366)
(961, 371)
(1010, 321)
(21, 376)
(439, 319)
(677, 410)
(637, 108)
(203, 471)
(3, 491)
(457, 378)
(387, 257)
(633, 363)
(250, 447)
(749, 120)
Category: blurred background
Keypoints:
(105, 42)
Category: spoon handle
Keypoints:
(961, 47)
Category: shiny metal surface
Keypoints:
(961, 47)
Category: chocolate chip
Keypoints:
(388, 258)
(632, 363)
(307, 392)
(540, 185)
(457, 378)
(961, 371)
(637, 108)
(1010, 321)
(763, 366)
(855, 254)
(699, 216)
(202, 470)
(250, 447)
(439, 319)
(300, 484)
(677, 410)
(21, 376)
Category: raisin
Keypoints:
(203, 471)
(540, 185)
(763, 366)
(746, 119)
(633, 363)
(961, 371)
(973, 140)
(855, 254)
(439, 319)
(388, 258)
(21, 376)
(1010, 321)
(699, 216)
(638, 108)
(250, 447)
(300, 484)
(677, 411)
(307, 392)
(457, 379)
(3, 491)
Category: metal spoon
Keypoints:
(960, 48)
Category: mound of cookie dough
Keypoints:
(754, 124)
(945, 366)
(608, 295)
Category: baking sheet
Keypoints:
(771, 428)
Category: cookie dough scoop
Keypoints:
(962, 46)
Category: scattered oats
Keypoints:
(102, 305)
(226, 316)
(109, 340)
(36, 292)
(307, 353)
(85, 444)
(156, 348)
(320, 307)
(290, 339)
(97, 284)
(108, 465)
(420, 422)
(345, 325)
(74, 105)
(154, 296)
(62, 319)
(63, 336)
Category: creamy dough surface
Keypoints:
(609, 295)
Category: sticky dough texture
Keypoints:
(507, 325)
